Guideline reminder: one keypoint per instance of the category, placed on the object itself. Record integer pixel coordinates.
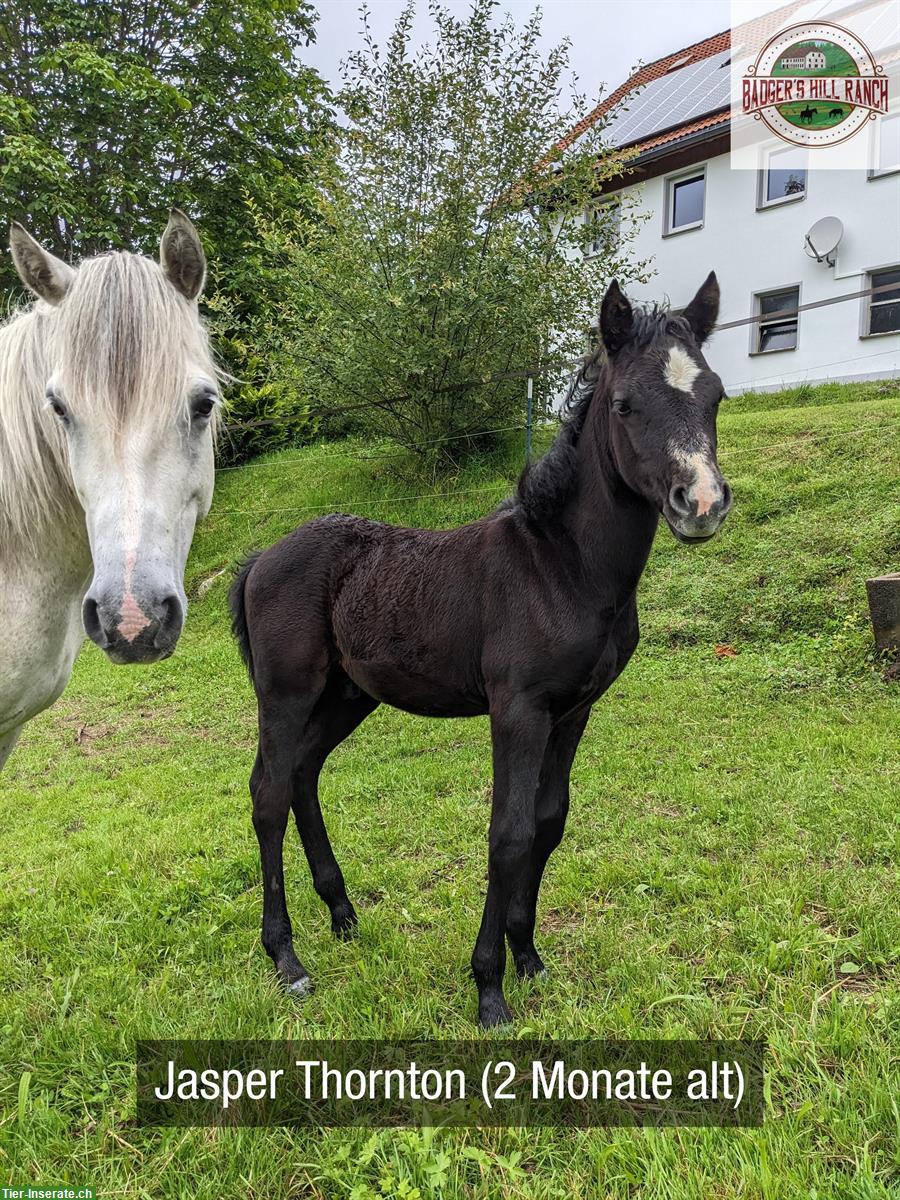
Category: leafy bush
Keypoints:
(445, 254)
(111, 113)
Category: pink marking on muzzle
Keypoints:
(133, 620)
(705, 500)
(706, 490)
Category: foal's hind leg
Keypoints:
(551, 809)
(281, 727)
(334, 718)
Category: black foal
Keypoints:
(527, 615)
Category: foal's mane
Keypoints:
(123, 339)
(545, 485)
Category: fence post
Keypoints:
(529, 413)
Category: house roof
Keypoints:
(677, 97)
(711, 122)
(683, 93)
(669, 71)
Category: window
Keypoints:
(777, 329)
(886, 146)
(883, 314)
(685, 202)
(602, 226)
(783, 178)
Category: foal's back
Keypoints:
(429, 621)
(398, 611)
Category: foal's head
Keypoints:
(663, 400)
(131, 388)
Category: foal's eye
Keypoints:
(621, 407)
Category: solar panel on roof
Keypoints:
(673, 99)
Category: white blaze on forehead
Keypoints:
(705, 487)
(680, 370)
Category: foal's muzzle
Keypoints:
(696, 510)
(129, 631)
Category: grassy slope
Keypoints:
(729, 851)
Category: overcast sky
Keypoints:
(608, 36)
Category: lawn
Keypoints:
(729, 867)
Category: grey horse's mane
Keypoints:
(123, 341)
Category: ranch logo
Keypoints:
(815, 85)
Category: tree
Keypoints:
(110, 113)
(448, 254)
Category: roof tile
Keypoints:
(686, 56)
(654, 70)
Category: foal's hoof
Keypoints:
(344, 924)
(530, 966)
(493, 1011)
(294, 976)
(300, 987)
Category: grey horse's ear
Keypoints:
(703, 311)
(41, 272)
(181, 255)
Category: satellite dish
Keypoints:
(823, 239)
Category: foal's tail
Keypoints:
(238, 611)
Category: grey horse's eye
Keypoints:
(203, 405)
(621, 407)
(57, 407)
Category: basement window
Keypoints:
(685, 202)
(884, 307)
(777, 327)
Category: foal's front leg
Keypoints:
(551, 809)
(519, 732)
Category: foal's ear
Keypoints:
(703, 310)
(616, 318)
(181, 255)
(41, 272)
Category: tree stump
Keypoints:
(884, 607)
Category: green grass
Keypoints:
(728, 869)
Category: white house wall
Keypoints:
(753, 251)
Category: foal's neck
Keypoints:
(612, 527)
